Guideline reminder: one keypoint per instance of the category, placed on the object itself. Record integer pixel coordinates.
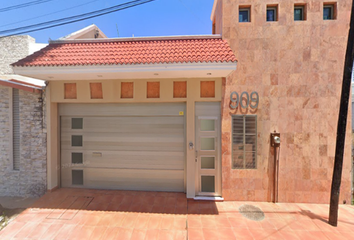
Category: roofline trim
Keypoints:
(132, 39)
(122, 65)
(20, 86)
(48, 70)
(213, 10)
(82, 32)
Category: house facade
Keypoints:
(292, 54)
(134, 114)
(174, 113)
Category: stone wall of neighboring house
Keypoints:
(30, 179)
(13, 49)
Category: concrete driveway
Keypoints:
(102, 214)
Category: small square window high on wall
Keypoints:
(272, 13)
(244, 14)
(329, 11)
(299, 12)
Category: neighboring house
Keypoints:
(89, 32)
(172, 114)
(292, 53)
(23, 147)
(23, 127)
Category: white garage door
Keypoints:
(123, 146)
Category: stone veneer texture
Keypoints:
(12, 49)
(30, 180)
(296, 67)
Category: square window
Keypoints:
(208, 184)
(70, 91)
(244, 14)
(329, 11)
(207, 89)
(76, 158)
(207, 162)
(96, 91)
(272, 13)
(244, 142)
(127, 90)
(207, 144)
(153, 90)
(180, 89)
(76, 123)
(76, 141)
(299, 13)
(207, 125)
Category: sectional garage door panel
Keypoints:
(111, 109)
(131, 160)
(130, 179)
(125, 152)
(157, 125)
(127, 133)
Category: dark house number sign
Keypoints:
(245, 100)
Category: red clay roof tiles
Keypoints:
(113, 52)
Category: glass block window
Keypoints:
(244, 142)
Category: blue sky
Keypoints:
(157, 18)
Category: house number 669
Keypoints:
(251, 100)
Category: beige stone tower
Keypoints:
(292, 54)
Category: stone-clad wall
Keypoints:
(13, 49)
(30, 180)
(217, 21)
(296, 67)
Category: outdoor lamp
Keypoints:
(275, 139)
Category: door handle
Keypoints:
(196, 155)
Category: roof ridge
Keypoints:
(136, 39)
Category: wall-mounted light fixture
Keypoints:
(275, 139)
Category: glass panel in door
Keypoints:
(207, 137)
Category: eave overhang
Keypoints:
(134, 71)
(20, 85)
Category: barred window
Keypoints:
(244, 141)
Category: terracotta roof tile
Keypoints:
(113, 52)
